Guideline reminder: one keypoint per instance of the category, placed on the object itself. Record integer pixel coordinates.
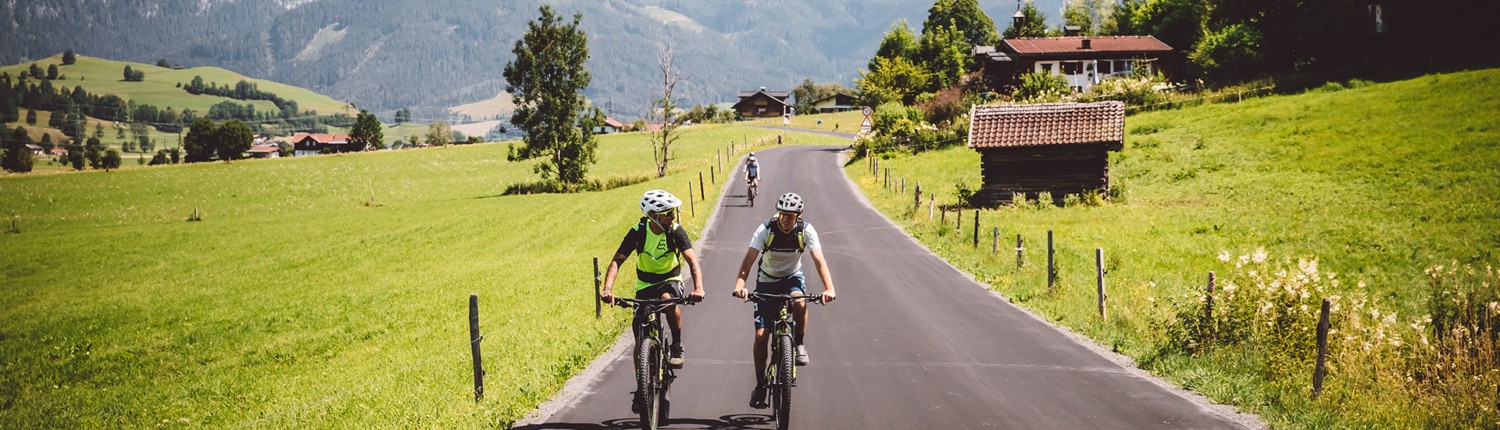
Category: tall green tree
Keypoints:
(200, 143)
(897, 80)
(51, 71)
(899, 42)
(234, 138)
(439, 133)
(975, 27)
(1178, 23)
(945, 55)
(366, 134)
(403, 116)
(1034, 23)
(110, 160)
(546, 82)
(18, 158)
(1091, 16)
(30, 117)
(69, 58)
(810, 92)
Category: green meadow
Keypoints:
(316, 292)
(1368, 194)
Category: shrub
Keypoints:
(1040, 87)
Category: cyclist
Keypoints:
(752, 170)
(661, 246)
(780, 243)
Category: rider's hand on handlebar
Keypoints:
(828, 296)
(607, 297)
(741, 292)
(695, 296)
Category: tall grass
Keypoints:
(316, 292)
(1356, 194)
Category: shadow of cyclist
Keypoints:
(727, 422)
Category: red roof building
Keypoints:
(1056, 148)
(321, 143)
(1082, 60)
(763, 103)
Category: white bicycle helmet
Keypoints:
(790, 202)
(752, 156)
(657, 201)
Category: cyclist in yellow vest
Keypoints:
(780, 244)
(661, 246)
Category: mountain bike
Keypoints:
(781, 368)
(751, 191)
(652, 374)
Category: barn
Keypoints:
(1059, 148)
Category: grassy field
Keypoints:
(1349, 192)
(317, 292)
(101, 76)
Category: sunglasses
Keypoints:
(667, 213)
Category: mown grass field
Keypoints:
(1375, 183)
(317, 292)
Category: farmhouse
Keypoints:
(36, 150)
(611, 125)
(1059, 148)
(754, 104)
(1081, 60)
(321, 143)
(265, 151)
(834, 103)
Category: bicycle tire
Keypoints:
(785, 366)
(647, 372)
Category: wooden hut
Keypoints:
(1060, 148)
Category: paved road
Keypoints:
(910, 343)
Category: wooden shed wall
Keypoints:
(1057, 169)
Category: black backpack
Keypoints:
(771, 236)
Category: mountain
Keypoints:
(430, 54)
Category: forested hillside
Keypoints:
(430, 54)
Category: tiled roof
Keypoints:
(1074, 44)
(1009, 125)
(777, 94)
(322, 137)
(613, 123)
(265, 148)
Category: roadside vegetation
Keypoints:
(316, 291)
(1380, 197)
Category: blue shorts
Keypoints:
(787, 285)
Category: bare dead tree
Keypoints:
(665, 107)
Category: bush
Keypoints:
(1133, 90)
(896, 119)
(1040, 87)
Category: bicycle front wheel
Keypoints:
(647, 373)
(781, 400)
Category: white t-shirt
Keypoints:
(779, 264)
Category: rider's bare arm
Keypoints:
(607, 293)
(817, 255)
(692, 259)
(739, 280)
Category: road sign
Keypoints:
(866, 125)
(867, 111)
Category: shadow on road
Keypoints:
(727, 422)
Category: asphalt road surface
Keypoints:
(910, 343)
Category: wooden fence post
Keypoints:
(903, 185)
(719, 158)
(976, 228)
(597, 304)
(1321, 370)
(917, 198)
(474, 339)
(1051, 269)
(958, 220)
(995, 241)
(943, 217)
(931, 205)
(692, 207)
(1018, 250)
(701, 196)
(1208, 307)
(712, 176)
(1099, 263)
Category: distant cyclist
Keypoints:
(780, 243)
(662, 246)
(752, 170)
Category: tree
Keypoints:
(1034, 23)
(1176, 23)
(159, 158)
(69, 58)
(810, 92)
(1091, 16)
(546, 82)
(129, 73)
(199, 143)
(76, 157)
(403, 116)
(975, 27)
(945, 55)
(234, 138)
(662, 140)
(95, 156)
(162, 62)
(18, 158)
(899, 42)
(30, 117)
(895, 80)
(1231, 53)
(111, 159)
(36, 70)
(366, 134)
(438, 134)
(52, 71)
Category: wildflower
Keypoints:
(1259, 256)
(1224, 255)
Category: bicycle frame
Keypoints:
(779, 346)
(653, 376)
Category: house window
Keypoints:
(1106, 67)
(1072, 68)
(1044, 67)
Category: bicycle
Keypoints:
(781, 368)
(751, 191)
(652, 374)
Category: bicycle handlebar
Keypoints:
(626, 302)
(761, 297)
